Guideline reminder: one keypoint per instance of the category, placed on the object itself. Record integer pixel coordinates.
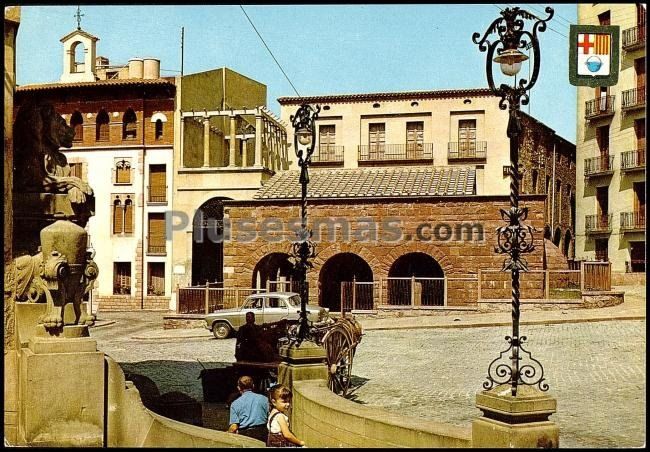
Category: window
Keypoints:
(123, 215)
(558, 197)
(601, 250)
(376, 135)
(414, 137)
(77, 123)
(467, 135)
(75, 170)
(157, 181)
(156, 278)
(123, 172)
(159, 129)
(326, 142)
(274, 302)
(129, 125)
(639, 72)
(156, 238)
(602, 201)
(605, 18)
(602, 139)
(102, 127)
(122, 278)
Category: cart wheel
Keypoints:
(338, 346)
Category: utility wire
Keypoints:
(556, 15)
(539, 18)
(267, 48)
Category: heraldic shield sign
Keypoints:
(593, 55)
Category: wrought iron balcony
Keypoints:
(156, 245)
(599, 166)
(633, 98)
(600, 107)
(633, 160)
(598, 224)
(632, 221)
(328, 154)
(401, 152)
(466, 150)
(634, 37)
(157, 194)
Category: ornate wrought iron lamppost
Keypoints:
(515, 238)
(304, 249)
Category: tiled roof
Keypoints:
(373, 182)
(111, 82)
(446, 93)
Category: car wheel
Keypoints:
(221, 330)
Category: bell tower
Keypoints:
(79, 50)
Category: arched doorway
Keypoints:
(547, 232)
(402, 289)
(343, 267)
(207, 243)
(274, 267)
(557, 236)
(567, 244)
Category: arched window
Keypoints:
(159, 129)
(118, 216)
(129, 125)
(123, 172)
(128, 216)
(534, 176)
(102, 130)
(77, 123)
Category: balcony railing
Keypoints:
(631, 221)
(327, 154)
(599, 165)
(633, 98)
(633, 160)
(157, 193)
(598, 224)
(466, 150)
(381, 152)
(156, 245)
(599, 107)
(634, 37)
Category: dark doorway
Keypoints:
(425, 292)
(273, 267)
(637, 256)
(567, 244)
(207, 243)
(557, 237)
(547, 232)
(339, 268)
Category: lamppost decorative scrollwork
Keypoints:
(515, 238)
(303, 249)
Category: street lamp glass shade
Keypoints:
(510, 61)
(304, 137)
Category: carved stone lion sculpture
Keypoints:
(39, 165)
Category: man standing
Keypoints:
(249, 413)
(247, 347)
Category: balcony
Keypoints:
(466, 151)
(634, 38)
(598, 224)
(156, 246)
(632, 221)
(405, 153)
(633, 98)
(633, 160)
(157, 194)
(601, 107)
(599, 166)
(327, 155)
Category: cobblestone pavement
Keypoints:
(596, 371)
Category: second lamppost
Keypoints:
(515, 238)
(304, 250)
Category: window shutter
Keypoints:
(118, 217)
(128, 217)
(157, 231)
(157, 183)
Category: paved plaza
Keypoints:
(596, 370)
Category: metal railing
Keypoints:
(206, 299)
(599, 165)
(633, 37)
(631, 160)
(327, 154)
(157, 193)
(632, 98)
(632, 220)
(156, 245)
(379, 152)
(598, 223)
(466, 150)
(601, 106)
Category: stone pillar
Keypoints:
(206, 142)
(233, 141)
(515, 422)
(307, 362)
(244, 153)
(258, 142)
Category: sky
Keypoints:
(323, 49)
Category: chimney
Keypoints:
(136, 67)
(151, 68)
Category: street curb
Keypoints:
(109, 322)
(187, 336)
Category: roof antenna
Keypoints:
(79, 16)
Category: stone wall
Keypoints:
(456, 257)
(128, 303)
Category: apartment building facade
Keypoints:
(611, 150)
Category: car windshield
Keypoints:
(294, 300)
